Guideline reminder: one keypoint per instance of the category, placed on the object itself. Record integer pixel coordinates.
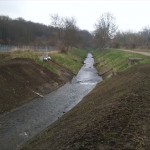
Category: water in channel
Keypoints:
(19, 126)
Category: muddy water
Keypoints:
(24, 123)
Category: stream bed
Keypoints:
(25, 122)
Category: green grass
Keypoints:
(72, 60)
(33, 56)
(116, 60)
(48, 66)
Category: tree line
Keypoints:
(65, 34)
(107, 35)
(132, 40)
(21, 32)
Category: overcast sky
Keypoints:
(130, 15)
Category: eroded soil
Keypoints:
(21, 80)
(115, 115)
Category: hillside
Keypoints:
(22, 79)
(24, 76)
(118, 120)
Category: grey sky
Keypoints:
(130, 15)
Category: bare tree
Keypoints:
(132, 40)
(71, 34)
(105, 29)
(128, 39)
(58, 23)
(145, 37)
(67, 32)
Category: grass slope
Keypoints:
(115, 60)
(73, 60)
(21, 79)
(115, 115)
(23, 74)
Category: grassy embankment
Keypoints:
(109, 62)
(23, 76)
(115, 115)
(73, 60)
(28, 54)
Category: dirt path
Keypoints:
(137, 52)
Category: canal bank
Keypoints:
(114, 115)
(27, 121)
